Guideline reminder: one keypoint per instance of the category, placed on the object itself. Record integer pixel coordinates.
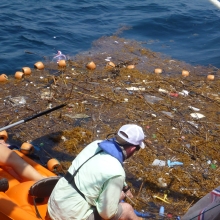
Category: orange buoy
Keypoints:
(211, 77)
(39, 65)
(130, 66)
(19, 75)
(62, 63)
(185, 73)
(110, 65)
(158, 71)
(26, 70)
(27, 148)
(91, 65)
(54, 165)
(3, 77)
(4, 135)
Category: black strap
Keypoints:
(41, 189)
(70, 177)
(36, 209)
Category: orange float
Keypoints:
(62, 63)
(39, 65)
(16, 203)
(3, 77)
(4, 135)
(211, 77)
(158, 71)
(131, 66)
(19, 75)
(54, 165)
(185, 73)
(110, 65)
(91, 65)
(27, 148)
(26, 70)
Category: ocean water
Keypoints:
(185, 30)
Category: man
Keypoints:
(92, 187)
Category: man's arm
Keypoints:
(107, 203)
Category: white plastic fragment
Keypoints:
(209, 162)
(50, 105)
(169, 114)
(108, 59)
(160, 163)
(136, 89)
(197, 115)
(193, 108)
(184, 92)
(18, 100)
(77, 116)
(152, 99)
(63, 138)
(161, 182)
(163, 91)
(193, 124)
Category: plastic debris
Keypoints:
(184, 92)
(36, 148)
(193, 124)
(160, 163)
(197, 115)
(163, 91)
(164, 199)
(213, 166)
(193, 108)
(174, 94)
(161, 212)
(136, 88)
(144, 214)
(174, 163)
(154, 136)
(16, 101)
(47, 95)
(63, 138)
(161, 182)
(152, 99)
(59, 56)
(77, 116)
(169, 114)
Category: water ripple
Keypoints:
(186, 30)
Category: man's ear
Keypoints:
(133, 148)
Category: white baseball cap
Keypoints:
(135, 134)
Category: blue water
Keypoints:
(185, 30)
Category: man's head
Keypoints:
(130, 137)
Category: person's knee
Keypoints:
(127, 210)
(126, 206)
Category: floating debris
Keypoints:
(197, 115)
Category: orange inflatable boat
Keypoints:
(16, 203)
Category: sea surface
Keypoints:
(184, 30)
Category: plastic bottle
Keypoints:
(161, 212)
(174, 163)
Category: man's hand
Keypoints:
(126, 194)
(129, 194)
